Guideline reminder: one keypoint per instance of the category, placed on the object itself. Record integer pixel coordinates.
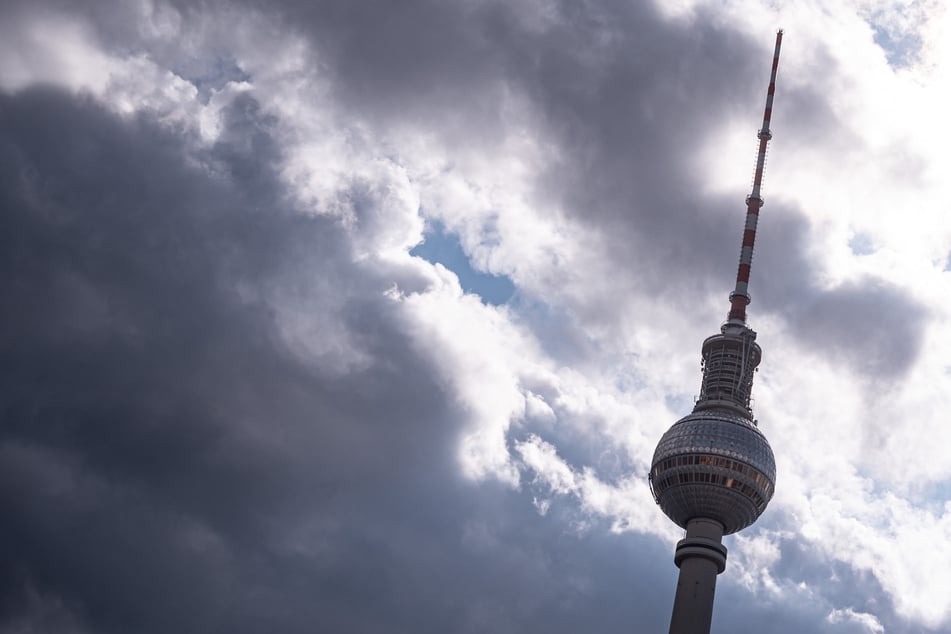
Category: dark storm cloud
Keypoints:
(158, 434)
(167, 463)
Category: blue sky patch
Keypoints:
(443, 247)
(901, 49)
(861, 244)
(216, 76)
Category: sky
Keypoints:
(356, 316)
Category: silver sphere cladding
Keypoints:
(715, 464)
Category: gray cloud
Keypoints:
(868, 324)
(617, 88)
(876, 327)
(158, 429)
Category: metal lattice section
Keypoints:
(714, 464)
(729, 360)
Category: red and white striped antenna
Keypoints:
(740, 296)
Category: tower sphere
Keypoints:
(715, 464)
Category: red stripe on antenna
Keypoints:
(743, 275)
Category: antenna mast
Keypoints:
(740, 296)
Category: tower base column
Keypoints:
(701, 557)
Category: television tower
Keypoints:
(713, 472)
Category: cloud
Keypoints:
(240, 404)
(156, 407)
(868, 621)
